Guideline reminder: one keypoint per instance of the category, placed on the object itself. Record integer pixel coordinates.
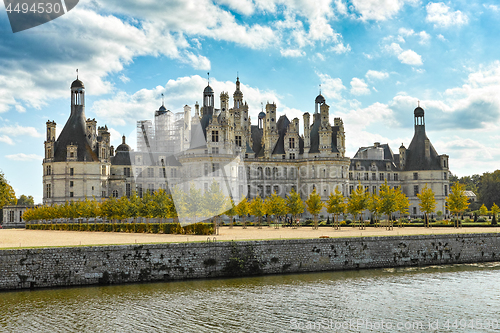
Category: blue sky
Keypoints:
(374, 60)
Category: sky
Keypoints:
(373, 60)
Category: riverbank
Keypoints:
(21, 238)
(91, 265)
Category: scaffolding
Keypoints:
(168, 131)
(145, 136)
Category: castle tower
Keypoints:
(307, 133)
(237, 95)
(50, 140)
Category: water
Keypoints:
(463, 298)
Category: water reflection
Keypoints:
(284, 303)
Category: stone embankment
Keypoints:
(74, 266)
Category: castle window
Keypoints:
(292, 143)
(292, 156)
(48, 190)
(351, 188)
(237, 140)
(215, 150)
(115, 193)
(381, 176)
(268, 190)
(446, 190)
(396, 176)
(268, 172)
(367, 189)
(173, 173)
(164, 172)
(103, 153)
(445, 175)
(49, 153)
(103, 170)
(350, 176)
(139, 190)
(103, 194)
(215, 136)
(71, 194)
(151, 172)
(49, 170)
(366, 176)
(374, 189)
(415, 176)
(151, 188)
(415, 190)
(414, 210)
(11, 216)
(374, 176)
(71, 155)
(215, 169)
(127, 190)
(71, 183)
(126, 172)
(71, 171)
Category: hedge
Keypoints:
(151, 228)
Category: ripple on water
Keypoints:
(261, 304)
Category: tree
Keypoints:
(457, 201)
(402, 204)
(489, 188)
(7, 194)
(483, 211)
(388, 205)
(294, 204)
(275, 205)
(231, 212)
(26, 200)
(257, 208)
(494, 210)
(314, 206)
(427, 203)
(357, 202)
(374, 206)
(214, 203)
(336, 205)
(242, 210)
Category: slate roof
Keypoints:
(282, 127)
(314, 135)
(256, 138)
(415, 154)
(74, 133)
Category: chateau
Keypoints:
(179, 150)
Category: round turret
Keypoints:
(208, 89)
(320, 99)
(262, 115)
(419, 112)
(77, 84)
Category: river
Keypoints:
(454, 298)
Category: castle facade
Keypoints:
(179, 150)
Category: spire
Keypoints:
(208, 75)
(77, 73)
(162, 100)
(320, 88)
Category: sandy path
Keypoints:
(15, 238)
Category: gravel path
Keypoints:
(15, 238)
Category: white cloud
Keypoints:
(410, 57)
(320, 56)
(20, 108)
(341, 48)
(124, 78)
(331, 87)
(441, 37)
(6, 139)
(440, 14)
(379, 10)
(359, 87)
(371, 74)
(292, 53)
(16, 130)
(24, 157)
(424, 37)
(245, 7)
(406, 32)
